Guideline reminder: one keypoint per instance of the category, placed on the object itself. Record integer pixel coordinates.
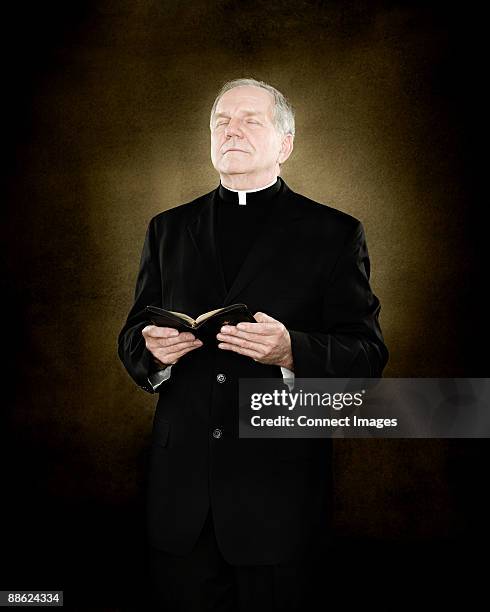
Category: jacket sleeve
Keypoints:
(132, 350)
(160, 377)
(349, 342)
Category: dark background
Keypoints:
(106, 108)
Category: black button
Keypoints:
(217, 433)
(221, 378)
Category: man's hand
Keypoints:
(266, 341)
(167, 345)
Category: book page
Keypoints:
(206, 315)
(184, 316)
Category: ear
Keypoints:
(286, 148)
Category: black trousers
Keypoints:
(203, 581)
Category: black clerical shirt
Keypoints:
(238, 225)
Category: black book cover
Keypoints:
(207, 325)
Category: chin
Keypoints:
(234, 169)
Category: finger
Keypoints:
(239, 333)
(172, 340)
(172, 357)
(170, 344)
(262, 317)
(263, 329)
(247, 344)
(155, 331)
(237, 349)
(182, 337)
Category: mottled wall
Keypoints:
(110, 110)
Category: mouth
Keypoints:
(234, 151)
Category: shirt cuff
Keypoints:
(288, 377)
(159, 377)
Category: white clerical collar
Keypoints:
(242, 193)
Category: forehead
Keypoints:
(245, 98)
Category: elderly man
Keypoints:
(237, 524)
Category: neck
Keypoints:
(247, 181)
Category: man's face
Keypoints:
(244, 139)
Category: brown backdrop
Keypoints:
(107, 124)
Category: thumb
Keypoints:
(261, 317)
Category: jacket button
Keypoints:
(221, 378)
(217, 433)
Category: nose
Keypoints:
(233, 128)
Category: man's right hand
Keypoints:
(167, 345)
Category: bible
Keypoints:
(206, 326)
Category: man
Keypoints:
(234, 524)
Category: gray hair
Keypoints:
(283, 112)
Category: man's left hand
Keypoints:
(266, 341)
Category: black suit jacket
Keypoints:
(308, 268)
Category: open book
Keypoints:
(206, 325)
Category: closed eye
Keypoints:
(225, 121)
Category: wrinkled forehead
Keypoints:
(246, 100)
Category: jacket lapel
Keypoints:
(203, 235)
(273, 238)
